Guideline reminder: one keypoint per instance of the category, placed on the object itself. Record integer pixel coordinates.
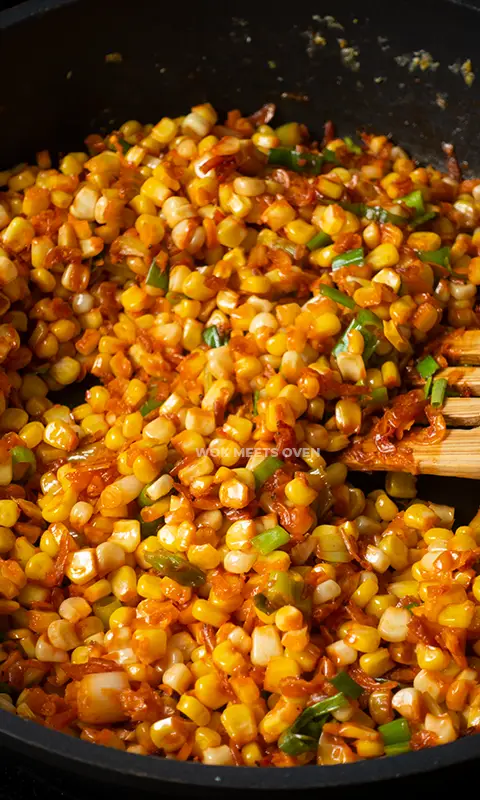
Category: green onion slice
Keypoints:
(301, 162)
(266, 468)
(149, 406)
(395, 732)
(320, 239)
(344, 683)
(427, 367)
(439, 388)
(157, 277)
(270, 540)
(349, 258)
(441, 256)
(336, 295)
(213, 337)
(173, 566)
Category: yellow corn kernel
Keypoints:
(9, 513)
(239, 722)
(377, 663)
(277, 669)
(194, 710)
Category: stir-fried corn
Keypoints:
(184, 566)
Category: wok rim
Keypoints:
(38, 741)
(32, 738)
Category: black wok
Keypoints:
(58, 86)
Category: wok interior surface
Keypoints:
(166, 60)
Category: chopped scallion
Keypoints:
(428, 386)
(266, 468)
(344, 683)
(415, 200)
(256, 398)
(397, 749)
(354, 148)
(156, 277)
(301, 162)
(294, 744)
(270, 540)
(349, 258)
(213, 337)
(149, 406)
(177, 568)
(337, 296)
(441, 256)
(439, 389)
(374, 213)
(427, 367)
(395, 732)
(320, 239)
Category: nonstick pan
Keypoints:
(397, 68)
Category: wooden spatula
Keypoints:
(458, 454)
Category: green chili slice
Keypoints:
(415, 200)
(173, 566)
(104, 608)
(417, 221)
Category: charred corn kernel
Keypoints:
(239, 722)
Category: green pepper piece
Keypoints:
(415, 200)
(427, 367)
